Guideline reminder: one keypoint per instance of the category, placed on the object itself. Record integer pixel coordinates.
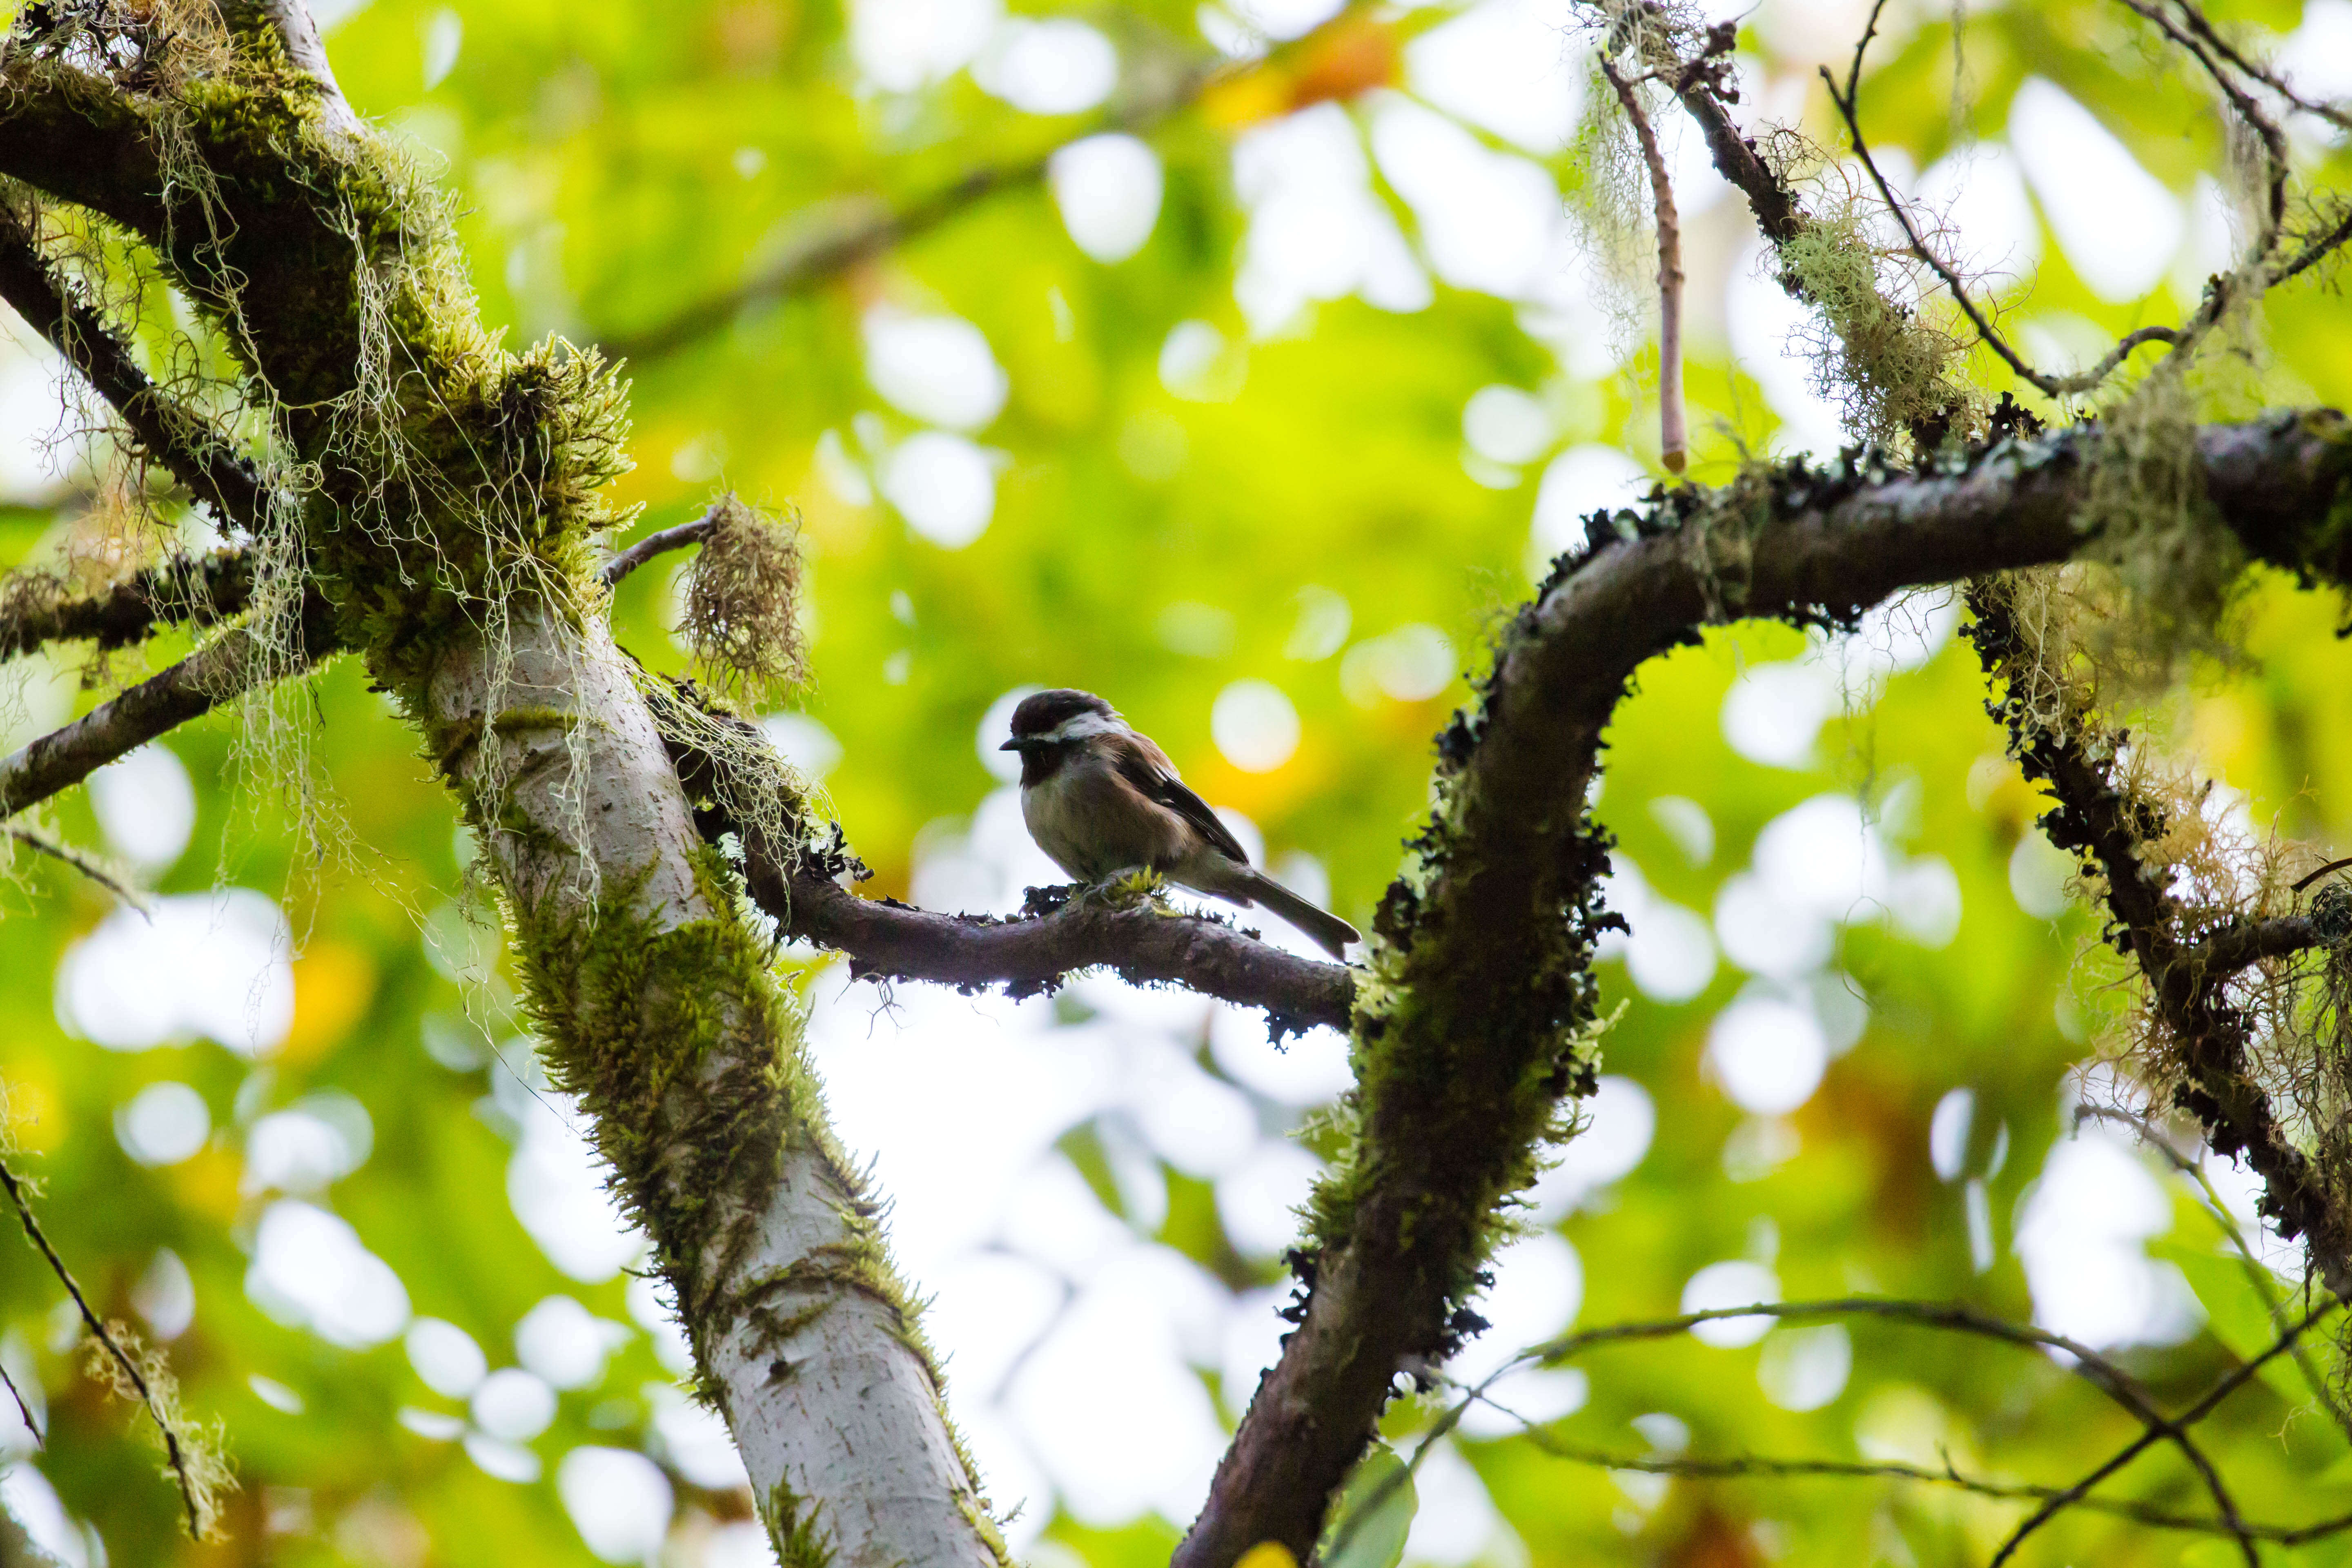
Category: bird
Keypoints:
(1101, 799)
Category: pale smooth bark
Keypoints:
(851, 1420)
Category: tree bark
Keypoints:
(447, 530)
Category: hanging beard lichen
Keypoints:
(1888, 364)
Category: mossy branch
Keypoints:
(37, 609)
(229, 666)
(2113, 828)
(1466, 1026)
(196, 454)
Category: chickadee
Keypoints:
(1101, 799)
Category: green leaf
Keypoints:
(1376, 1509)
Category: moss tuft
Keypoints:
(793, 1529)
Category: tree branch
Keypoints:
(1672, 441)
(657, 543)
(1738, 161)
(1145, 945)
(1486, 994)
(77, 137)
(1024, 957)
(89, 866)
(2104, 825)
(225, 667)
(177, 1458)
(2249, 942)
(195, 590)
(184, 441)
(2237, 1378)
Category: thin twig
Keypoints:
(2096, 1369)
(2052, 385)
(1672, 439)
(2309, 877)
(23, 1409)
(1733, 1466)
(173, 1455)
(2274, 141)
(2221, 45)
(2124, 1456)
(657, 543)
(2258, 1274)
(85, 864)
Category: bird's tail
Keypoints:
(1330, 932)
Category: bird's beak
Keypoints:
(1011, 745)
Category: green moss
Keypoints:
(800, 1542)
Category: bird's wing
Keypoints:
(1147, 767)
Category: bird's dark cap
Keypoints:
(1045, 711)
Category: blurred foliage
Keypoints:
(619, 162)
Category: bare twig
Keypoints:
(175, 1452)
(1671, 440)
(23, 1409)
(1734, 1467)
(2241, 102)
(657, 543)
(2228, 1385)
(2318, 109)
(2099, 1371)
(87, 865)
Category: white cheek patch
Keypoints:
(1079, 726)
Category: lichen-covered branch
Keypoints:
(184, 590)
(1474, 1018)
(200, 1474)
(231, 663)
(184, 441)
(2110, 827)
(1022, 957)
